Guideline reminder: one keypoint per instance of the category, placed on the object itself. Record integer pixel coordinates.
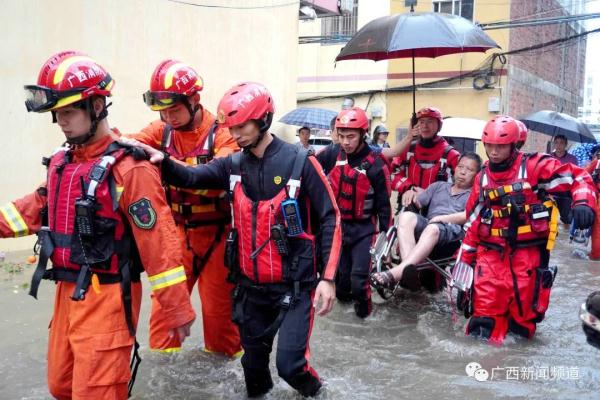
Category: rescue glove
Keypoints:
(583, 216)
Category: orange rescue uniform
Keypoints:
(90, 344)
(221, 335)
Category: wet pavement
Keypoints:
(411, 347)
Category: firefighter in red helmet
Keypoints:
(512, 225)
(428, 159)
(98, 218)
(188, 132)
(360, 180)
(284, 272)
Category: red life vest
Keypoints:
(192, 207)
(253, 221)
(516, 213)
(109, 247)
(429, 165)
(352, 188)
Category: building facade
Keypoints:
(472, 85)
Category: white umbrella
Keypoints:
(469, 128)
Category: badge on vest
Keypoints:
(143, 214)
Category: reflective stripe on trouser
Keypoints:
(494, 295)
(293, 351)
(352, 281)
(220, 334)
(89, 346)
(596, 234)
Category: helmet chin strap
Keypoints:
(83, 139)
(192, 110)
(263, 125)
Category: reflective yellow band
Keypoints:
(167, 278)
(167, 351)
(119, 190)
(504, 232)
(507, 189)
(195, 209)
(553, 226)
(201, 192)
(14, 219)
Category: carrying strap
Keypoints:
(199, 262)
(293, 183)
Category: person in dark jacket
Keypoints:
(280, 198)
(360, 180)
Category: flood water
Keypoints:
(411, 347)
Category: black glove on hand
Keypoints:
(583, 216)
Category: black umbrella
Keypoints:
(554, 123)
(415, 35)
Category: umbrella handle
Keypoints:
(413, 120)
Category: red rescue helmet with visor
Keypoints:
(352, 118)
(501, 130)
(431, 112)
(247, 101)
(67, 78)
(172, 82)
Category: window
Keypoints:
(464, 8)
(340, 27)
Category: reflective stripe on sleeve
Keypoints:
(167, 278)
(14, 219)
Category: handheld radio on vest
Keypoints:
(279, 236)
(291, 215)
(84, 217)
(84, 213)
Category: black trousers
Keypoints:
(260, 309)
(352, 282)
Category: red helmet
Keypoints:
(66, 78)
(522, 131)
(352, 118)
(245, 102)
(171, 82)
(501, 130)
(433, 113)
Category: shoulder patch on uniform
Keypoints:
(144, 216)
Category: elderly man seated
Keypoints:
(418, 235)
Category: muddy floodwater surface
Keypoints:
(410, 348)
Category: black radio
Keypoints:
(84, 216)
(231, 250)
(279, 236)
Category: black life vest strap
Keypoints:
(136, 360)
(199, 262)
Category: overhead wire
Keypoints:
(204, 5)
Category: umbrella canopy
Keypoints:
(469, 128)
(554, 123)
(319, 118)
(415, 35)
